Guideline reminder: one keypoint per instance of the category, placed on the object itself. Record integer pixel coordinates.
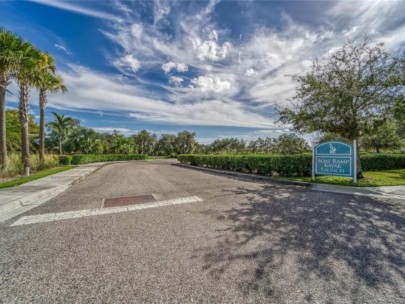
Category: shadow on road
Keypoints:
(301, 245)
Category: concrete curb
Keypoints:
(376, 192)
(24, 201)
(28, 199)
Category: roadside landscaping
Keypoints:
(378, 169)
(79, 159)
(35, 176)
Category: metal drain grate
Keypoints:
(130, 200)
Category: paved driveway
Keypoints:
(246, 242)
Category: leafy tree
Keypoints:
(145, 142)
(121, 144)
(82, 139)
(262, 145)
(383, 137)
(347, 91)
(185, 142)
(399, 115)
(46, 81)
(11, 51)
(62, 125)
(201, 148)
(166, 145)
(290, 144)
(228, 146)
(328, 137)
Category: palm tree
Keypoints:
(61, 126)
(11, 51)
(46, 82)
(25, 77)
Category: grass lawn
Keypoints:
(371, 179)
(37, 175)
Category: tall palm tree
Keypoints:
(11, 51)
(46, 82)
(61, 125)
(25, 79)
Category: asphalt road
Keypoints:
(246, 242)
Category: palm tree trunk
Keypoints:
(60, 146)
(3, 139)
(42, 105)
(23, 108)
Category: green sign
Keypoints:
(335, 158)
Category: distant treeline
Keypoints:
(66, 136)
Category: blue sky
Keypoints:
(213, 67)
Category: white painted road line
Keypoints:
(51, 217)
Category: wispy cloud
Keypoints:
(91, 90)
(78, 9)
(62, 48)
(204, 75)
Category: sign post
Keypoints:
(355, 161)
(334, 158)
(313, 162)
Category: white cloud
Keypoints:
(210, 84)
(90, 90)
(182, 67)
(177, 81)
(169, 66)
(232, 80)
(211, 49)
(250, 72)
(208, 112)
(129, 62)
(160, 10)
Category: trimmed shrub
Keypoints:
(92, 158)
(379, 162)
(65, 160)
(284, 165)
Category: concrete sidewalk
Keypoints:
(17, 200)
(397, 192)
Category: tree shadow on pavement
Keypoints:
(294, 245)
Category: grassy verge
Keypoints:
(37, 175)
(371, 179)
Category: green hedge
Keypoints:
(93, 158)
(284, 165)
(379, 162)
(65, 160)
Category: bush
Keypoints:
(15, 166)
(65, 160)
(284, 165)
(379, 162)
(92, 158)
